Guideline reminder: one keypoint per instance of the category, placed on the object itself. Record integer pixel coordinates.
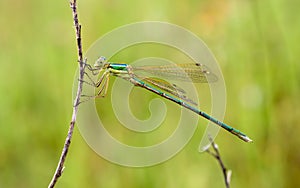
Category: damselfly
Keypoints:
(185, 72)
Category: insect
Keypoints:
(196, 72)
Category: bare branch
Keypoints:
(216, 154)
(60, 166)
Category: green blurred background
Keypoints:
(255, 42)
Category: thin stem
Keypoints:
(216, 155)
(60, 166)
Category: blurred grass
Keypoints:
(255, 42)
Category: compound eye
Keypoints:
(100, 61)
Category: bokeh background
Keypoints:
(255, 42)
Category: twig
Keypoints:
(60, 166)
(216, 155)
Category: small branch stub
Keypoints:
(216, 154)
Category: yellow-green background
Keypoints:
(255, 42)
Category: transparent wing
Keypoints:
(170, 88)
(198, 73)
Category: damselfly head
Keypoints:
(100, 62)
